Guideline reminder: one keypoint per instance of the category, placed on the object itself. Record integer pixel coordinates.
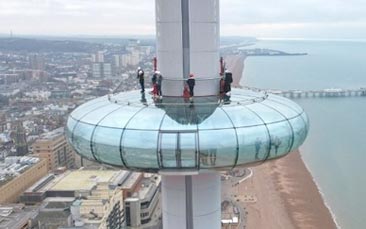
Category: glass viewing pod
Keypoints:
(136, 132)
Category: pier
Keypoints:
(332, 92)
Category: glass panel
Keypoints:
(98, 114)
(140, 148)
(79, 112)
(217, 148)
(187, 144)
(184, 123)
(120, 117)
(218, 120)
(70, 127)
(169, 150)
(253, 144)
(267, 114)
(81, 139)
(242, 117)
(286, 102)
(300, 131)
(306, 119)
(106, 145)
(281, 138)
(147, 119)
(284, 110)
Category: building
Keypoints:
(53, 147)
(37, 62)
(8, 78)
(116, 61)
(102, 70)
(20, 140)
(99, 57)
(79, 183)
(18, 174)
(140, 208)
(3, 122)
(94, 198)
(17, 216)
(54, 213)
(103, 208)
(131, 184)
(38, 191)
(130, 59)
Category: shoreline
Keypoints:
(286, 192)
(334, 217)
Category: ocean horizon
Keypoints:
(335, 148)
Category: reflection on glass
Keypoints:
(236, 116)
(86, 108)
(168, 150)
(81, 139)
(218, 148)
(299, 131)
(99, 114)
(187, 142)
(70, 127)
(140, 148)
(281, 138)
(106, 145)
(146, 119)
(253, 144)
(218, 120)
(266, 113)
(143, 99)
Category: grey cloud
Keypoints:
(238, 17)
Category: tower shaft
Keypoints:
(191, 201)
(188, 42)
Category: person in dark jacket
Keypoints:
(140, 76)
(222, 88)
(159, 82)
(191, 82)
(154, 77)
(228, 80)
(154, 84)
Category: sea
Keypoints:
(335, 150)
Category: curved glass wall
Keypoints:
(174, 134)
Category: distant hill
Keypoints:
(84, 44)
(37, 45)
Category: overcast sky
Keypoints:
(335, 19)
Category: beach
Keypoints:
(284, 192)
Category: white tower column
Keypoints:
(188, 41)
(191, 202)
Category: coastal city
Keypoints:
(182, 114)
(44, 183)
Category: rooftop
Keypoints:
(15, 166)
(52, 134)
(84, 179)
(131, 180)
(16, 215)
(148, 188)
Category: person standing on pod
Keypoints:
(159, 82)
(154, 84)
(191, 82)
(228, 80)
(140, 76)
